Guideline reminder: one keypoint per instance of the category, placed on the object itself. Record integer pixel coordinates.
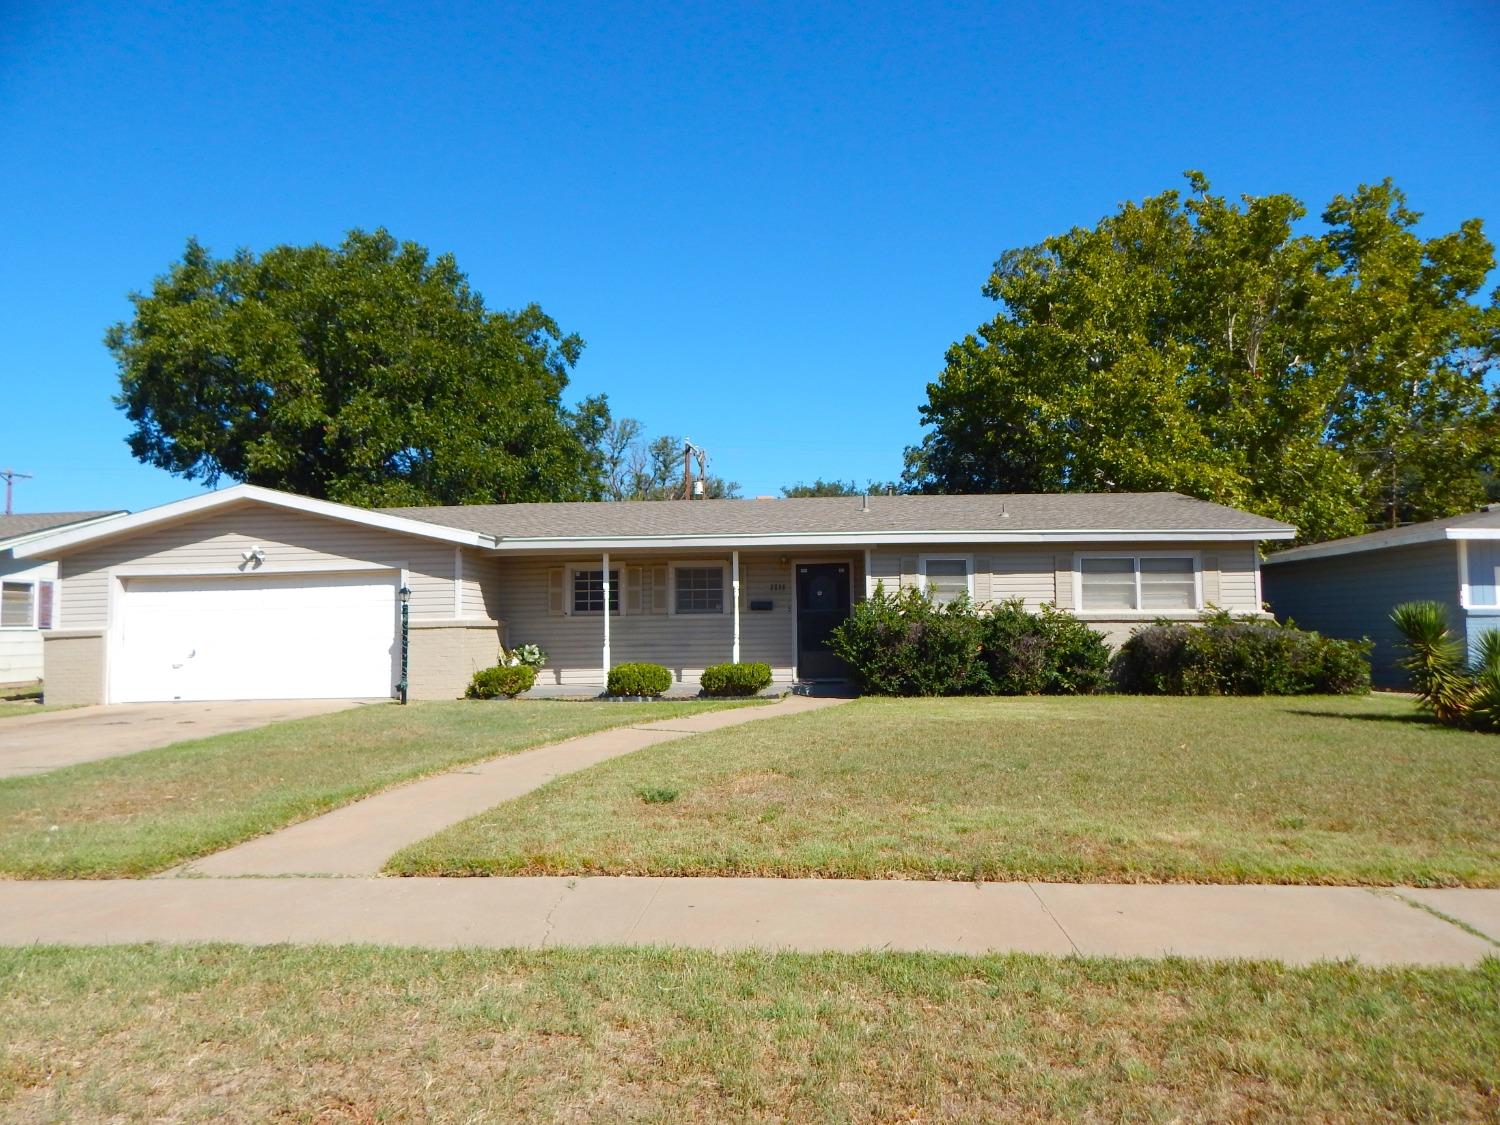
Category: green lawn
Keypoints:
(145, 812)
(367, 1034)
(1133, 789)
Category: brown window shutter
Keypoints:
(44, 595)
(1211, 593)
(633, 592)
(983, 588)
(659, 589)
(557, 605)
(1062, 579)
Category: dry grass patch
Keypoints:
(142, 813)
(366, 1034)
(1308, 790)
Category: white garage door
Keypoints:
(295, 636)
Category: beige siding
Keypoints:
(291, 541)
(1039, 574)
(686, 644)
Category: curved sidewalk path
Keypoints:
(357, 839)
(1297, 925)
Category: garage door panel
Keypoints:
(257, 637)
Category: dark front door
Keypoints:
(822, 605)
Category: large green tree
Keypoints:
(1335, 378)
(369, 373)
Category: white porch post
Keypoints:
(606, 616)
(734, 576)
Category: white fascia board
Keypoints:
(861, 538)
(1358, 547)
(30, 536)
(69, 537)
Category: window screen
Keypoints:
(946, 579)
(17, 607)
(588, 591)
(700, 589)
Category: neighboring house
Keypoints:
(28, 591)
(1348, 587)
(250, 593)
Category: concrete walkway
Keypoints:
(357, 839)
(1293, 924)
(50, 740)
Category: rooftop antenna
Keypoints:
(11, 476)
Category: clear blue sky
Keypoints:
(767, 222)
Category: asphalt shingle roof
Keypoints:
(1026, 512)
(25, 524)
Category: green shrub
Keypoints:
(1435, 661)
(504, 681)
(1049, 652)
(1228, 655)
(906, 644)
(638, 679)
(735, 679)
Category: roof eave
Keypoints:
(53, 543)
(872, 538)
(1361, 545)
(31, 536)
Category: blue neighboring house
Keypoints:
(1348, 587)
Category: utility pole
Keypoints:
(11, 476)
(689, 453)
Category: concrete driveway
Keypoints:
(37, 743)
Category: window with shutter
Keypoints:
(556, 606)
(659, 589)
(1141, 583)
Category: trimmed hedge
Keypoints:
(906, 644)
(1227, 655)
(504, 681)
(638, 679)
(735, 679)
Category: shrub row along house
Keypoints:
(253, 593)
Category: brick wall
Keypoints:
(73, 666)
(443, 655)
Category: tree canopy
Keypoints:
(370, 373)
(637, 468)
(1337, 379)
(821, 487)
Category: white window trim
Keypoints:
(1145, 614)
(35, 604)
(616, 589)
(697, 564)
(967, 560)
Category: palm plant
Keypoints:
(1435, 660)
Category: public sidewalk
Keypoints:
(357, 839)
(1293, 924)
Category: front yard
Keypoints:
(366, 1034)
(1128, 789)
(143, 813)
